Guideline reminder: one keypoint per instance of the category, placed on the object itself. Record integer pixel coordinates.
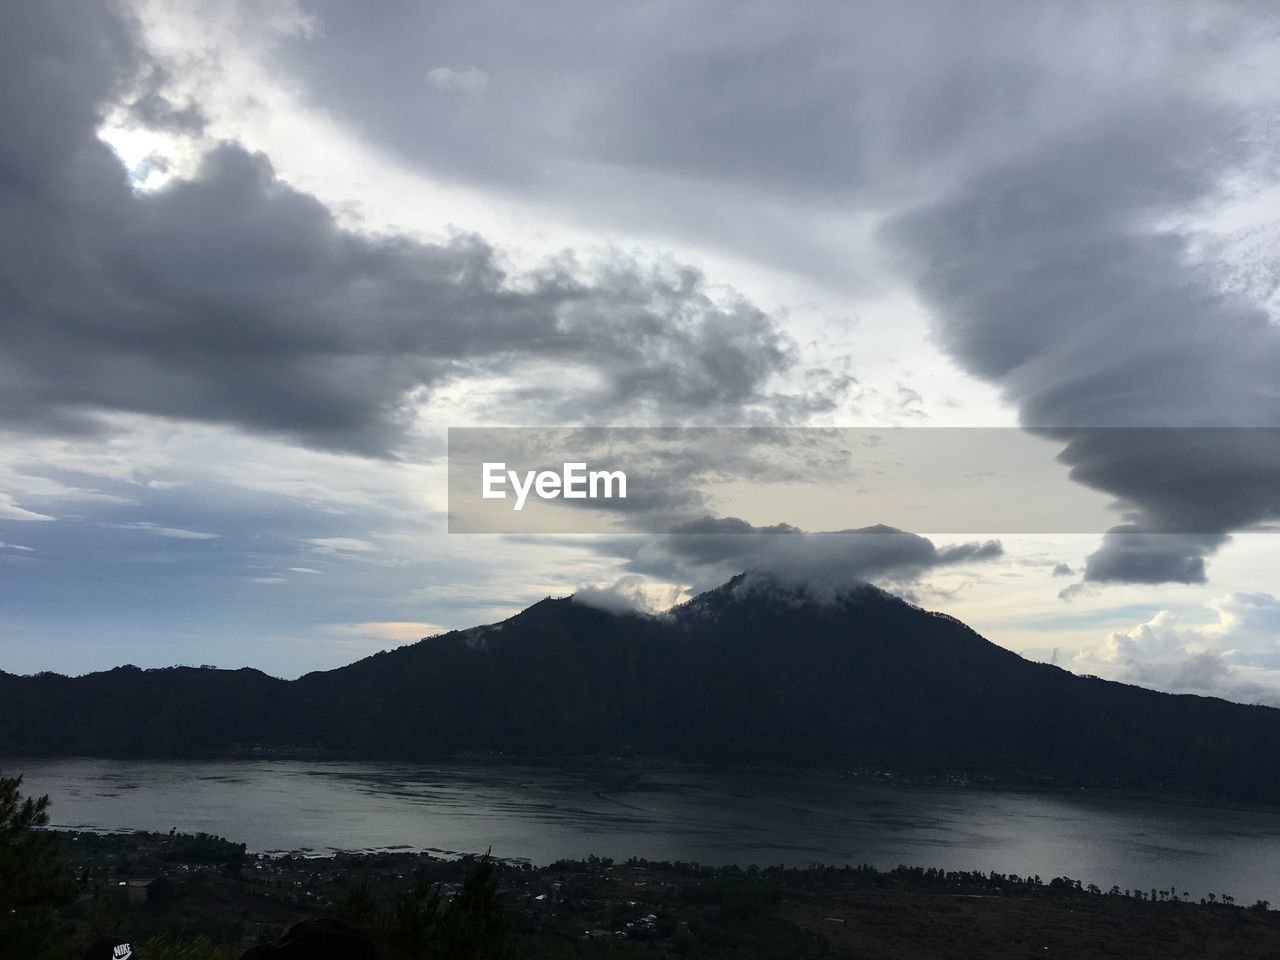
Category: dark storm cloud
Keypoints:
(745, 124)
(744, 92)
(709, 550)
(1187, 487)
(234, 298)
(1047, 270)
(1048, 278)
(1130, 555)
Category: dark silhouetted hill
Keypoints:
(751, 672)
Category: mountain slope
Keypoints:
(749, 672)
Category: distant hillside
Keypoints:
(750, 672)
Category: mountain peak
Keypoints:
(768, 589)
(763, 669)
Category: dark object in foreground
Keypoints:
(322, 938)
(33, 884)
(111, 948)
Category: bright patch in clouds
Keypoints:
(397, 632)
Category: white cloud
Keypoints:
(340, 545)
(175, 532)
(1248, 623)
(1233, 655)
(629, 594)
(9, 510)
(1206, 673)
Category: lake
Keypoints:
(543, 814)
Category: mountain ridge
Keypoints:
(750, 672)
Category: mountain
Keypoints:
(752, 672)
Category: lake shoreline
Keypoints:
(716, 816)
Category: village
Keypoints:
(161, 888)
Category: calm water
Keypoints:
(542, 814)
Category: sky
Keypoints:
(257, 257)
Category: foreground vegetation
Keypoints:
(182, 897)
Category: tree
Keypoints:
(413, 926)
(472, 926)
(32, 883)
(475, 925)
(359, 906)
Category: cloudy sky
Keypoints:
(256, 257)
